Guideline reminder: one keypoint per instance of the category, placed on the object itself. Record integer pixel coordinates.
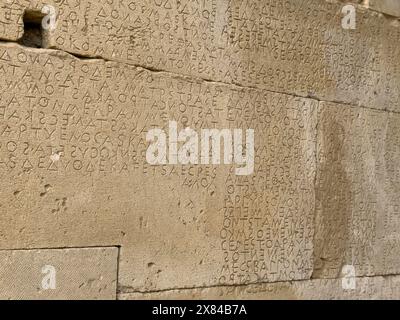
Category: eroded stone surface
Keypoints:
(89, 273)
(357, 191)
(322, 289)
(291, 46)
(73, 144)
(10, 20)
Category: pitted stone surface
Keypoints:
(86, 273)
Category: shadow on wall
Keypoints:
(33, 31)
(333, 203)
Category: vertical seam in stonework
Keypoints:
(117, 274)
(315, 187)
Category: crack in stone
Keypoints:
(62, 248)
(53, 50)
(130, 290)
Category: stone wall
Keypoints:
(80, 203)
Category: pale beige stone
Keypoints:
(85, 273)
(11, 13)
(285, 46)
(73, 144)
(357, 188)
(369, 288)
(391, 7)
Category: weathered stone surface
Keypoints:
(323, 289)
(11, 27)
(286, 46)
(89, 273)
(358, 184)
(73, 168)
(73, 144)
(391, 7)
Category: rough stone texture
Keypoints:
(73, 143)
(324, 190)
(322, 289)
(293, 46)
(357, 191)
(89, 273)
(10, 21)
(391, 7)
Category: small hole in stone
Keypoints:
(33, 31)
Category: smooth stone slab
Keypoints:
(86, 273)
(391, 7)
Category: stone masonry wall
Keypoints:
(81, 204)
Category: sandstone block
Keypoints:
(73, 153)
(89, 273)
(357, 217)
(374, 288)
(286, 46)
(391, 7)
